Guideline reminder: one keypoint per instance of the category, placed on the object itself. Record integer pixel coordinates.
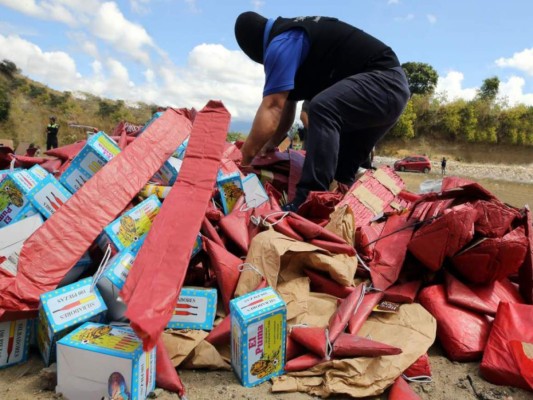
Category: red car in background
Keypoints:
(413, 163)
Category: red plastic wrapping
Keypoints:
(221, 334)
(481, 299)
(294, 349)
(51, 252)
(319, 205)
(420, 368)
(226, 267)
(526, 271)
(302, 363)
(67, 152)
(348, 345)
(363, 311)
(462, 333)
(235, 225)
(514, 322)
(494, 218)
(26, 161)
(403, 292)
(345, 310)
(443, 237)
(493, 259)
(323, 284)
(313, 339)
(390, 251)
(166, 375)
(523, 359)
(52, 165)
(400, 390)
(209, 231)
(154, 283)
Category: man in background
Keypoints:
(51, 134)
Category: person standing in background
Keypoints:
(443, 166)
(51, 134)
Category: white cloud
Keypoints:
(451, 86)
(53, 11)
(258, 4)
(140, 6)
(522, 61)
(513, 91)
(431, 18)
(408, 17)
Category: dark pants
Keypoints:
(51, 142)
(345, 122)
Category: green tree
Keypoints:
(468, 123)
(404, 128)
(422, 77)
(489, 89)
(8, 68)
(5, 104)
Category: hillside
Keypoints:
(26, 105)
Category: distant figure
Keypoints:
(31, 150)
(443, 166)
(51, 134)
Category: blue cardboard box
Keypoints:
(14, 204)
(64, 309)
(97, 152)
(195, 309)
(258, 335)
(104, 362)
(230, 189)
(14, 341)
(48, 195)
(39, 172)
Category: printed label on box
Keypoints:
(73, 179)
(14, 341)
(230, 188)
(48, 196)
(120, 265)
(39, 172)
(14, 205)
(195, 309)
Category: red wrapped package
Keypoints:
(277, 220)
(362, 312)
(26, 161)
(400, 390)
(67, 152)
(302, 363)
(350, 346)
(220, 334)
(166, 376)
(293, 349)
(226, 267)
(323, 284)
(209, 231)
(154, 283)
(51, 251)
(443, 237)
(313, 339)
(514, 322)
(481, 299)
(345, 310)
(493, 258)
(263, 209)
(523, 356)
(494, 218)
(402, 292)
(462, 333)
(52, 165)
(390, 250)
(526, 271)
(235, 225)
(420, 370)
(319, 205)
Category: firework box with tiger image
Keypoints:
(195, 309)
(96, 153)
(258, 335)
(104, 362)
(111, 281)
(64, 309)
(14, 341)
(48, 195)
(14, 203)
(230, 189)
(131, 225)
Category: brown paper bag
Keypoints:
(180, 343)
(205, 356)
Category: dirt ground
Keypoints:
(451, 380)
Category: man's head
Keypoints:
(52, 119)
(249, 29)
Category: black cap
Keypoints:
(249, 30)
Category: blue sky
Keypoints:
(183, 52)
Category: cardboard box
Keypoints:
(160, 191)
(195, 309)
(258, 334)
(180, 153)
(39, 172)
(254, 192)
(130, 226)
(14, 204)
(230, 189)
(48, 196)
(168, 173)
(97, 152)
(12, 237)
(14, 342)
(112, 280)
(77, 270)
(64, 309)
(104, 362)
